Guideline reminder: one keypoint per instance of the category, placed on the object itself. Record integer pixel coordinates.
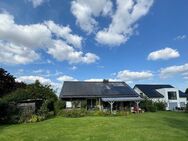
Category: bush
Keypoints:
(84, 104)
(148, 105)
(9, 113)
(31, 118)
(186, 108)
(73, 113)
(99, 113)
(59, 105)
(43, 111)
(161, 106)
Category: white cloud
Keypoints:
(65, 33)
(123, 21)
(29, 39)
(165, 54)
(32, 78)
(181, 37)
(63, 52)
(66, 78)
(73, 68)
(85, 12)
(127, 75)
(37, 3)
(173, 70)
(33, 36)
(13, 54)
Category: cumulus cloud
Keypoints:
(127, 75)
(173, 70)
(65, 33)
(66, 78)
(47, 36)
(37, 3)
(63, 52)
(13, 54)
(33, 36)
(123, 21)
(165, 54)
(85, 12)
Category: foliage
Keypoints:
(186, 91)
(32, 91)
(30, 118)
(148, 105)
(59, 105)
(73, 113)
(99, 113)
(8, 112)
(161, 106)
(186, 108)
(84, 104)
(43, 111)
(8, 83)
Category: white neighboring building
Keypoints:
(166, 93)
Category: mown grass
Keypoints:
(159, 126)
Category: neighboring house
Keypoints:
(173, 97)
(102, 95)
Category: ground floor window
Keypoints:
(68, 104)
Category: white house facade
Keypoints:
(173, 97)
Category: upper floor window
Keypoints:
(172, 95)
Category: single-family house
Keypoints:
(102, 94)
(173, 97)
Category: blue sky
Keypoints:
(136, 41)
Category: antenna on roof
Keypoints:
(105, 80)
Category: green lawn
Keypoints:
(160, 126)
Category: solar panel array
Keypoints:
(96, 89)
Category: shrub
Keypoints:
(148, 105)
(73, 113)
(161, 106)
(9, 113)
(83, 104)
(59, 105)
(186, 108)
(99, 113)
(43, 111)
(31, 118)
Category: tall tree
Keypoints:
(186, 91)
(8, 83)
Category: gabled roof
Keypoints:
(151, 90)
(83, 89)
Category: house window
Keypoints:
(172, 95)
(68, 104)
